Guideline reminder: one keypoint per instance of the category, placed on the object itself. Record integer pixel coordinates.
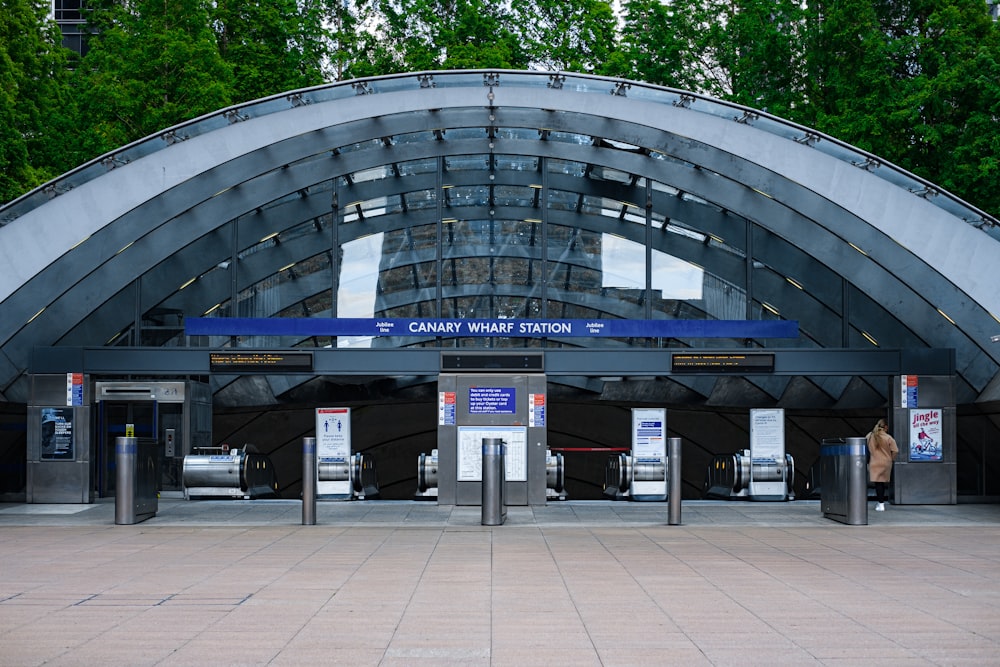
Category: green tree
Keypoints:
(443, 34)
(35, 103)
(568, 35)
(748, 52)
(271, 46)
(349, 44)
(916, 83)
(759, 51)
(655, 45)
(151, 64)
(15, 171)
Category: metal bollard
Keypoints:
(135, 481)
(309, 481)
(494, 510)
(126, 453)
(673, 481)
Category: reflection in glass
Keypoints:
(359, 275)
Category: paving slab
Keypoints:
(574, 583)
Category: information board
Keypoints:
(649, 452)
(722, 363)
(470, 451)
(767, 448)
(767, 434)
(492, 400)
(446, 408)
(260, 362)
(333, 445)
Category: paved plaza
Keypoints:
(571, 583)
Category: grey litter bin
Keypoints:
(135, 480)
(494, 478)
(844, 480)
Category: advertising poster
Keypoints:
(925, 435)
(57, 434)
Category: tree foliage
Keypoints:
(416, 35)
(34, 99)
(150, 65)
(568, 35)
(916, 82)
(270, 46)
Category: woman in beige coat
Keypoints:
(882, 451)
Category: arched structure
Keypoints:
(503, 194)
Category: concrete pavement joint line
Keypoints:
(733, 600)
(339, 533)
(569, 592)
(413, 589)
(867, 541)
(738, 557)
(655, 601)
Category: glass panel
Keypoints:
(594, 275)
(360, 262)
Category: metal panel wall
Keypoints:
(472, 406)
(918, 480)
(58, 451)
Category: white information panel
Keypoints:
(470, 451)
(333, 445)
(767, 446)
(649, 451)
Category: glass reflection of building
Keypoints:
(480, 236)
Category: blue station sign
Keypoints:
(511, 328)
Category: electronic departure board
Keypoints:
(722, 362)
(260, 362)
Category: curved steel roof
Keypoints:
(519, 194)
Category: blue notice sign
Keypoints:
(509, 328)
(492, 400)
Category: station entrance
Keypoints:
(399, 400)
(174, 416)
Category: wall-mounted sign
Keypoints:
(925, 434)
(510, 328)
(57, 434)
(260, 362)
(751, 362)
(536, 410)
(447, 401)
(492, 401)
(74, 388)
(909, 390)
